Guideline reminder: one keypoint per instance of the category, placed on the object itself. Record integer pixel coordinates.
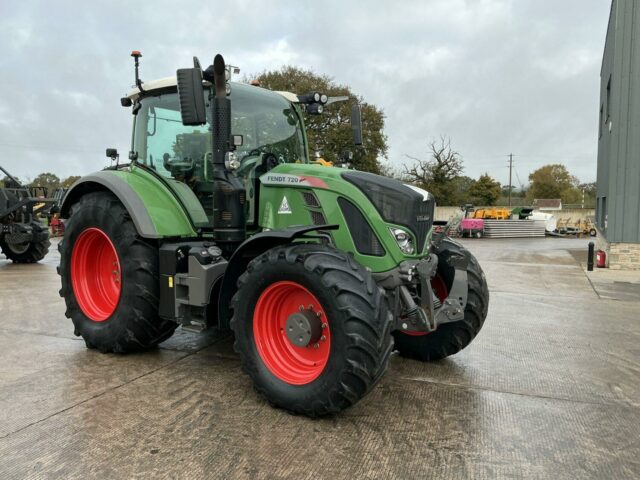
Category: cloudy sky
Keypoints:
(496, 76)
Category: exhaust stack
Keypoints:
(229, 223)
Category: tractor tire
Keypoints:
(109, 278)
(32, 252)
(327, 286)
(449, 338)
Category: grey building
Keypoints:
(618, 202)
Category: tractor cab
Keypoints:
(266, 127)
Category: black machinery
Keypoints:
(23, 238)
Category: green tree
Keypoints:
(48, 180)
(438, 174)
(6, 182)
(67, 182)
(461, 186)
(330, 133)
(553, 181)
(389, 170)
(589, 191)
(485, 191)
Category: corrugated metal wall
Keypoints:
(619, 142)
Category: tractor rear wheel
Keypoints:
(109, 278)
(311, 327)
(449, 338)
(28, 252)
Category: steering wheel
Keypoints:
(175, 165)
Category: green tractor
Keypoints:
(221, 220)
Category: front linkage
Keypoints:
(416, 306)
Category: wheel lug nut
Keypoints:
(324, 325)
(301, 308)
(319, 314)
(323, 338)
(310, 307)
(316, 345)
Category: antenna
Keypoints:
(136, 56)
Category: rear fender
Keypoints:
(154, 210)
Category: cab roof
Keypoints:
(169, 82)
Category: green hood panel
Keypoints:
(283, 204)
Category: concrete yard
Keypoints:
(549, 389)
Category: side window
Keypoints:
(601, 121)
(171, 147)
(603, 213)
(608, 101)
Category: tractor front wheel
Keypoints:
(449, 338)
(109, 278)
(312, 328)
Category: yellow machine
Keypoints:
(492, 213)
(578, 227)
(323, 162)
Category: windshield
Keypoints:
(267, 122)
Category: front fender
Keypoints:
(155, 212)
(247, 251)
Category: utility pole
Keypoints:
(510, 168)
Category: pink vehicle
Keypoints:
(472, 227)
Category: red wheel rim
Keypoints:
(441, 291)
(290, 363)
(95, 274)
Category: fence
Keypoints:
(570, 214)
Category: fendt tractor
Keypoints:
(220, 219)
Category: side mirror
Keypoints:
(191, 95)
(356, 124)
(112, 153)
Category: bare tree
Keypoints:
(437, 174)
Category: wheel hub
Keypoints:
(96, 274)
(292, 332)
(304, 327)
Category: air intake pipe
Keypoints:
(229, 197)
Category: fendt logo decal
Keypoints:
(292, 180)
(284, 207)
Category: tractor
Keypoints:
(221, 220)
(23, 238)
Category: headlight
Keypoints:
(404, 240)
(232, 162)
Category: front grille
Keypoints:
(363, 236)
(424, 219)
(397, 203)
